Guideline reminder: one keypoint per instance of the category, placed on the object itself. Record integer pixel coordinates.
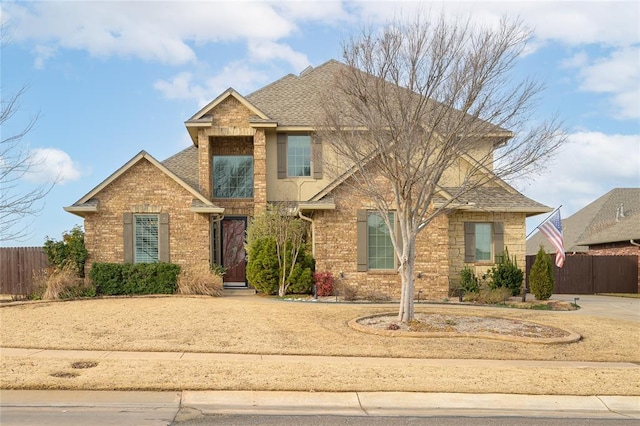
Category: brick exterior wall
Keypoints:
(144, 188)
(336, 251)
(617, 249)
(514, 240)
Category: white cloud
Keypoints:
(618, 75)
(589, 165)
(52, 164)
(184, 86)
(158, 31)
(265, 50)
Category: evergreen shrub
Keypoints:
(140, 278)
(541, 280)
(506, 274)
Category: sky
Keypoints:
(109, 79)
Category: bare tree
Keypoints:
(421, 99)
(16, 161)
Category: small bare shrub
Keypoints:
(347, 291)
(61, 283)
(199, 279)
(490, 296)
(375, 296)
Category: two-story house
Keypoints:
(252, 150)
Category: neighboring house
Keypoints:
(252, 150)
(608, 225)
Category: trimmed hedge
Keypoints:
(140, 278)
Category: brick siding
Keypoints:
(145, 188)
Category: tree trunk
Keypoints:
(407, 267)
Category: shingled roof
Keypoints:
(498, 199)
(185, 165)
(614, 217)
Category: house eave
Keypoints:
(81, 210)
(316, 206)
(207, 209)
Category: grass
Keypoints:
(259, 325)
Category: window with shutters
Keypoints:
(484, 241)
(299, 155)
(145, 238)
(380, 249)
(375, 249)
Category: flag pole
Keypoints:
(545, 219)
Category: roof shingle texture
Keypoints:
(184, 164)
(614, 217)
(498, 199)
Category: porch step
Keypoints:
(239, 292)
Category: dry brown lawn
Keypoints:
(266, 326)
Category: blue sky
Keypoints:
(112, 78)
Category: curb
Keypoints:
(571, 337)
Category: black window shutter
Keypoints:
(498, 240)
(163, 238)
(362, 241)
(127, 221)
(469, 242)
(282, 155)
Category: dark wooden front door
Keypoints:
(233, 254)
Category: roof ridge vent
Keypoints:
(306, 70)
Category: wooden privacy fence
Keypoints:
(587, 274)
(17, 266)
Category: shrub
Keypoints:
(200, 279)
(264, 271)
(324, 282)
(277, 248)
(491, 296)
(347, 291)
(262, 267)
(468, 280)
(51, 283)
(506, 274)
(301, 278)
(541, 280)
(139, 278)
(70, 252)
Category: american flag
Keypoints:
(552, 229)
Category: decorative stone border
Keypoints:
(572, 336)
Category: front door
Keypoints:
(233, 254)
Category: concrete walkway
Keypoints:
(189, 404)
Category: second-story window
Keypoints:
(298, 155)
(233, 176)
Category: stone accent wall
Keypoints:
(514, 240)
(336, 251)
(204, 163)
(617, 249)
(259, 171)
(144, 188)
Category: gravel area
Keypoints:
(438, 323)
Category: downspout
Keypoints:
(633, 243)
(313, 233)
